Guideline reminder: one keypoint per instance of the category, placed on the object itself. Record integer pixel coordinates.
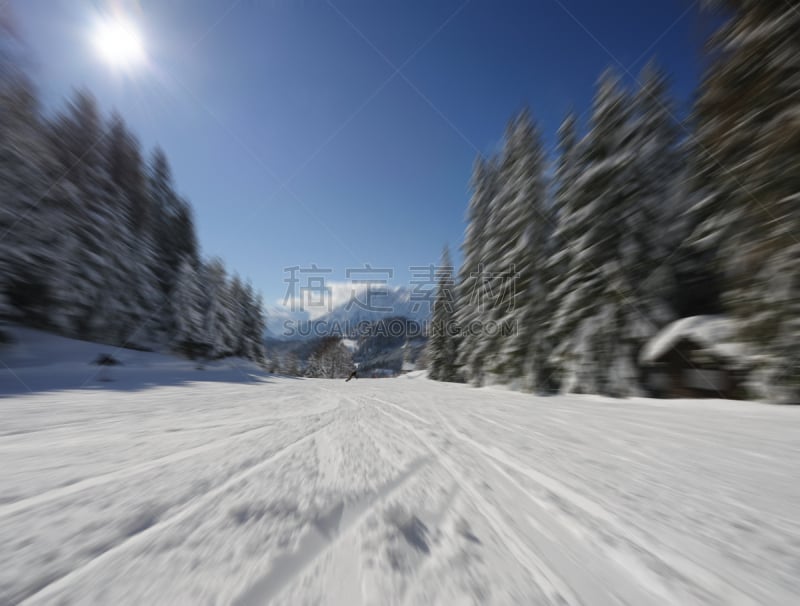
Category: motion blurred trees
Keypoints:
(748, 168)
(468, 290)
(442, 341)
(330, 359)
(96, 244)
(642, 209)
(584, 254)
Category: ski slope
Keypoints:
(393, 491)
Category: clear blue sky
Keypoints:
(248, 96)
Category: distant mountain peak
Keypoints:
(364, 305)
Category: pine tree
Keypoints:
(173, 229)
(88, 294)
(253, 325)
(186, 307)
(748, 151)
(564, 238)
(442, 344)
(291, 365)
(330, 359)
(596, 293)
(616, 192)
(495, 290)
(654, 225)
(237, 316)
(521, 353)
(216, 321)
(28, 213)
(470, 299)
(130, 244)
(127, 172)
(647, 238)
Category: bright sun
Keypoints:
(119, 42)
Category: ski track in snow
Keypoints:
(144, 535)
(602, 517)
(394, 491)
(547, 578)
(125, 473)
(327, 529)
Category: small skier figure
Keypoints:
(353, 375)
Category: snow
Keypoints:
(712, 332)
(385, 491)
(38, 361)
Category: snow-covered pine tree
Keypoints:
(135, 291)
(128, 172)
(443, 335)
(217, 320)
(186, 304)
(330, 359)
(237, 303)
(748, 147)
(247, 320)
(614, 196)
(172, 230)
(650, 174)
(595, 300)
(28, 209)
(469, 299)
(253, 324)
(654, 225)
(521, 296)
(497, 256)
(231, 320)
(561, 280)
(290, 365)
(173, 227)
(89, 271)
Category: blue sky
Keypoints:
(297, 141)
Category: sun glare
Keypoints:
(119, 43)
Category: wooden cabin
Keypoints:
(695, 357)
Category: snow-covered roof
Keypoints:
(717, 333)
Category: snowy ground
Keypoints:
(393, 491)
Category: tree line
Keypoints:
(644, 218)
(95, 242)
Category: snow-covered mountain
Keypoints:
(349, 312)
(394, 302)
